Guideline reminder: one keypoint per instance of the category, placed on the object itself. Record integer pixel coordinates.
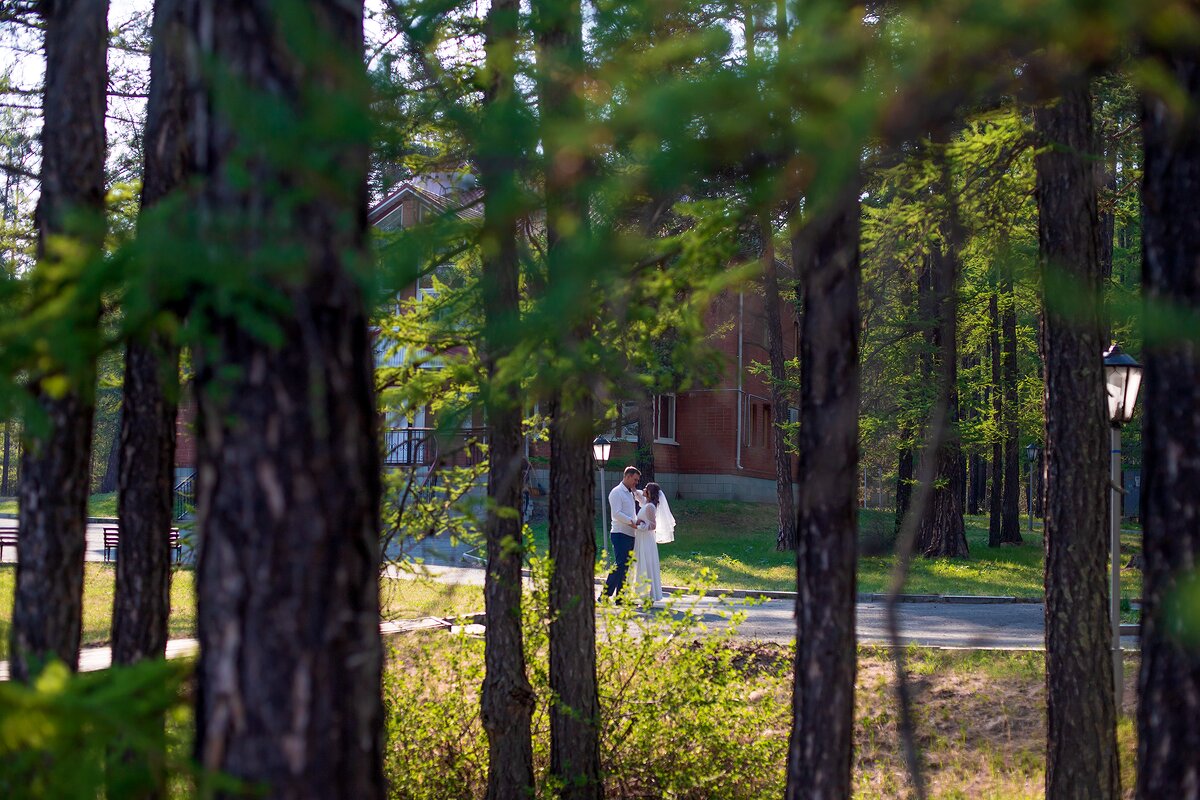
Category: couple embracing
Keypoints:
(641, 521)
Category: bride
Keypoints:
(655, 526)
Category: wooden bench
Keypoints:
(112, 539)
(8, 538)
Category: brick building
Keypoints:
(713, 443)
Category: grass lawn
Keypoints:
(99, 505)
(737, 542)
(400, 599)
(99, 585)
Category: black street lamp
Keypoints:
(1032, 450)
(1123, 379)
(601, 450)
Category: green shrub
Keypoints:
(69, 736)
(683, 715)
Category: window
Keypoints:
(664, 418)
(756, 422)
(627, 422)
(663, 406)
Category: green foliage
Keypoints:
(662, 683)
(69, 736)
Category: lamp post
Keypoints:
(1031, 453)
(1123, 378)
(601, 449)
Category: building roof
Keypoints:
(462, 200)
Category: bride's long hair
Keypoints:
(653, 490)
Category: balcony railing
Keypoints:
(423, 447)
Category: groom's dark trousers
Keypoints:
(622, 547)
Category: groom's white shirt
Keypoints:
(624, 512)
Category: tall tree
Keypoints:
(288, 681)
(996, 501)
(575, 713)
(108, 481)
(507, 696)
(644, 457)
(781, 403)
(1010, 517)
(1081, 759)
(55, 463)
(941, 531)
(1169, 679)
(147, 428)
(4, 468)
(819, 751)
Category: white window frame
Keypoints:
(626, 428)
(661, 400)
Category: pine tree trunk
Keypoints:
(941, 533)
(575, 716)
(904, 479)
(112, 464)
(289, 676)
(1010, 518)
(1039, 485)
(785, 538)
(56, 467)
(1169, 679)
(147, 440)
(644, 458)
(819, 752)
(4, 483)
(976, 484)
(575, 711)
(996, 500)
(1081, 759)
(507, 703)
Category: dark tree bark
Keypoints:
(56, 467)
(507, 703)
(1039, 485)
(108, 483)
(575, 716)
(977, 483)
(147, 441)
(1169, 679)
(1081, 759)
(575, 713)
(941, 531)
(1010, 517)
(904, 479)
(819, 752)
(5, 489)
(785, 538)
(995, 501)
(644, 457)
(289, 676)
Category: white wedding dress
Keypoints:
(647, 580)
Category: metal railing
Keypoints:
(405, 447)
(423, 447)
(185, 497)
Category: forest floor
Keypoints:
(736, 541)
(979, 718)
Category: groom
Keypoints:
(624, 510)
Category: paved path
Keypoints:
(966, 625)
(1005, 626)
